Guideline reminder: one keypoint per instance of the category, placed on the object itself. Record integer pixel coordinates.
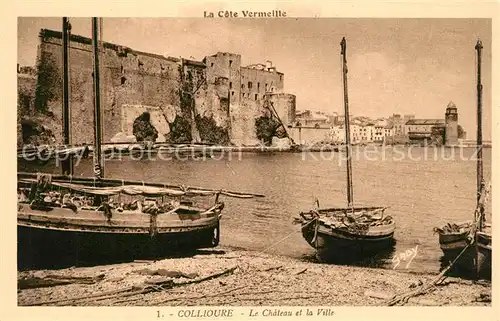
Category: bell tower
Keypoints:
(451, 122)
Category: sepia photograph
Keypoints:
(251, 158)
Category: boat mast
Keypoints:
(480, 182)
(98, 161)
(343, 47)
(67, 164)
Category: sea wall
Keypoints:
(213, 101)
(310, 135)
(127, 78)
(32, 127)
(26, 84)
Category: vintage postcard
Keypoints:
(240, 161)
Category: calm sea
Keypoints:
(423, 188)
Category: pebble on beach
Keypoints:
(259, 279)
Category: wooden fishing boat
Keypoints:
(83, 219)
(469, 244)
(473, 249)
(86, 219)
(340, 234)
(483, 251)
(350, 232)
(458, 240)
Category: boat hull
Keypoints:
(337, 245)
(484, 246)
(475, 260)
(60, 236)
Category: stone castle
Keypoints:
(216, 100)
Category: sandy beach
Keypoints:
(231, 277)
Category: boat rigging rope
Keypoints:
(315, 237)
(153, 224)
(97, 169)
(403, 298)
(287, 236)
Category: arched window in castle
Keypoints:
(230, 63)
(242, 86)
(249, 85)
(258, 86)
(266, 87)
(230, 85)
(256, 96)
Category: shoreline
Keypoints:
(139, 151)
(235, 277)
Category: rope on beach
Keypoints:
(133, 290)
(404, 297)
(286, 237)
(219, 294)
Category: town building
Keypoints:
(396, 129)
(420, 131)
(362, 132)
(436, 131)
(398, 124)
(338, 134)
(388, 131)
(307, 118)
(378, 132)
(451, 122)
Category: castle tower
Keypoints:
(451, 121)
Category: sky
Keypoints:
(404, 66)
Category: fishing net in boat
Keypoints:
(453, 228)
(56, 199)
(43, 193)
(90, 202)
(345, 217)
(358, 225)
